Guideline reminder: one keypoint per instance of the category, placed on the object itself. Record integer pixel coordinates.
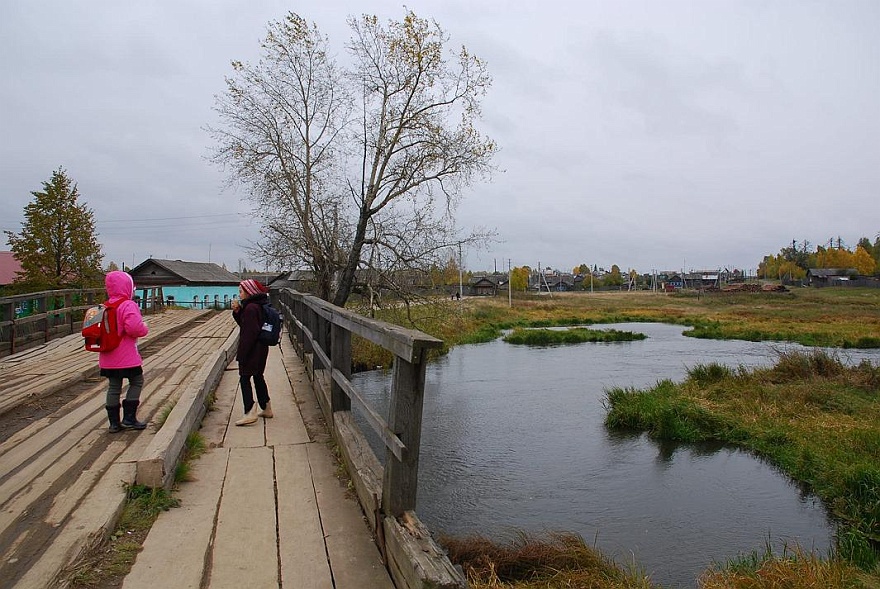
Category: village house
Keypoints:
(9, 267)
(198, 285)
(820, 277)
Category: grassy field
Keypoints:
(815, 418)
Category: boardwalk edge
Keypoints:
(156, 466)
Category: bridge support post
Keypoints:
(405, 420)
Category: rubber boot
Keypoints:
(266, 412)
(129, 415)
(113, 418)
(249, 417)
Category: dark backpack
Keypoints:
(100, 328)
(270, 333)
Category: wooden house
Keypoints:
(188, 284)
(830, 276)
(483, 286)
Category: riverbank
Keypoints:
(830, 317)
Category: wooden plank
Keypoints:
(156, 467)
(19, 503)
(237, 563)
(300, 535)
(354, 557)
(183, 535)
(415, 560)
(88, 525)
(362, 465)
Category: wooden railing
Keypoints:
(31, 319)
(321, 334)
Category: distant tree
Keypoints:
(864, 262)
(519, 278)
(58, 246)
(613, 278)
(834, 257)
(360, 169)
(112, 267)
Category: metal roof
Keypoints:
(155, 272)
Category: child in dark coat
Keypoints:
(251, 354)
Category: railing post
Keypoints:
(340, 358)
(43, 307)
(405, 419)
(308, 320)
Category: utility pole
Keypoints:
(460, 286)
(509, 287)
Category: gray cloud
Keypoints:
(639, 133)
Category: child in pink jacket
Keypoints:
(124, 361)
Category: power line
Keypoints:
(172, 218)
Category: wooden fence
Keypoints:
(321, 334)
(28, 320)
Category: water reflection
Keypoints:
(513, 439)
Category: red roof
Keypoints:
(8, 267)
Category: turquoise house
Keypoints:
(198, 285)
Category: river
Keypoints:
(513, 439)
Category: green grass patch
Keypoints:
(192, 449)
(577, 335)
(106, 566)
(793, 569)
(811, 415)
(163, 415)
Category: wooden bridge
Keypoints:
(265, 508)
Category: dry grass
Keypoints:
(556, 561)
(795, 572)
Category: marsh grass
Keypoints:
(554, 561)
(846, 318)
(794, 569)
(575, 335)
(811, 415)
(828, 317)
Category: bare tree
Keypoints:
(344, 188)
(282, 119)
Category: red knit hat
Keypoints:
(252, 287)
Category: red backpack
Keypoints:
(100, 328)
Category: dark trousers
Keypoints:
(135, 384)
(247, 394)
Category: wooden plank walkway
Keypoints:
(60, 474)
(266, 508)
(56, 365)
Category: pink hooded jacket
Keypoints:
(120, 287)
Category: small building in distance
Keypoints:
(198, 285)
(831, 276)
(9, 268)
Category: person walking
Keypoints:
(251, 353)
(124, 361)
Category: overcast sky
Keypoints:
(660, 134)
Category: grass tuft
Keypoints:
(553, 561)
(577, 335)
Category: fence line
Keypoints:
(28, 320)
(321, 334)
